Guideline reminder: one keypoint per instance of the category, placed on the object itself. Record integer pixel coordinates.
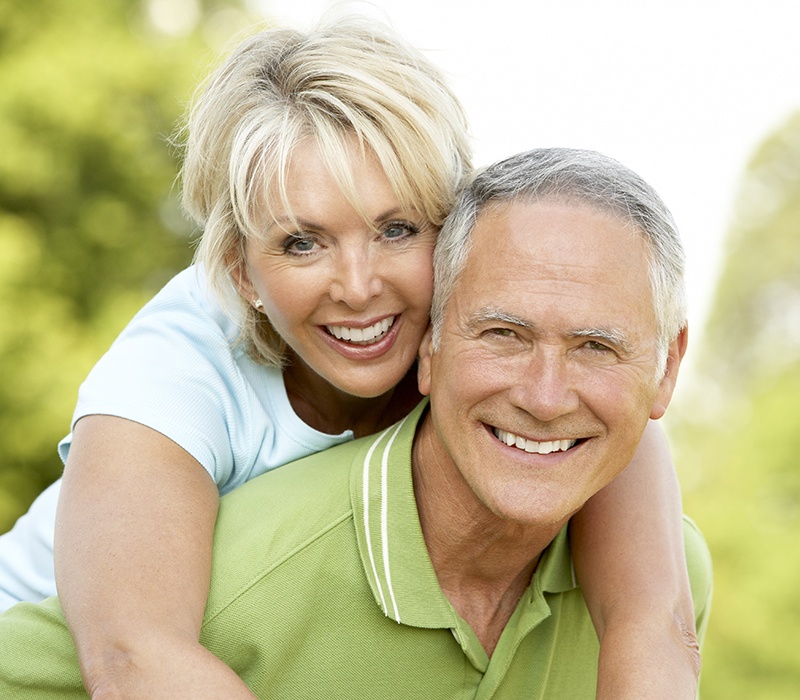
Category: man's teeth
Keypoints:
(542, 448)
(362, 335)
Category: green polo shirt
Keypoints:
(322, 587)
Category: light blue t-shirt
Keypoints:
(177, 369)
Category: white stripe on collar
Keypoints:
(383, 520)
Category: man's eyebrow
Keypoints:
(612, 336)
(489, 314)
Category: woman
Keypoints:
(320, 168)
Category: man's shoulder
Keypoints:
(300, 516)
(320, 477)
(314, 485)
(274, 517)
(317, 483)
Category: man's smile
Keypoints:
(533, 446)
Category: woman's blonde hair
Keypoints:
(347, 78)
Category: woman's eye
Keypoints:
(398, 229)
(299, 245)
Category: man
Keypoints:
(433, 560)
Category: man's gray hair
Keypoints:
(569, 175)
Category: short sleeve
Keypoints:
(174, 369)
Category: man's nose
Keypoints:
(356, 278)
(545, 387)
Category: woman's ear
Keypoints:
(241, 280)
(666, 387)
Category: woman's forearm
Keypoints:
(628, 547)
(133, 556)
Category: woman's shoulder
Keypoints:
(188, 301)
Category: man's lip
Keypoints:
(558, 445)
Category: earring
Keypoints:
(258, 304)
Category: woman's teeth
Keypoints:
(542, 448)
(363, 336)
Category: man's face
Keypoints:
(546, 371)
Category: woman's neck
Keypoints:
(322, 406)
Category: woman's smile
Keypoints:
(366, 336)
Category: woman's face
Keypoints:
(348, 290)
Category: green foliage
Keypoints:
(737, 437)
(90, 225)
(754, 329)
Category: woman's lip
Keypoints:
(372, 351)
(363, 332)
(362, 323)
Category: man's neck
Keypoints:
(483, 563)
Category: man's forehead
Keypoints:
(561, 255)
(558, 238)
(564, 208)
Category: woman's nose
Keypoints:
(356, 279)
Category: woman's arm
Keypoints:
(132, 557)
(628, 548)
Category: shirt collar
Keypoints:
(392, 546)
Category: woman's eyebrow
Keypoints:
(283, 221)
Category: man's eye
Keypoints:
(596, 346)
(501, 332)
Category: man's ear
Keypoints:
(424, 364)
(666, 387)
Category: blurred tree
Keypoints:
(754, 330)
(737, 435)
(90, 225)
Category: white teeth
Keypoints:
(542, 448)
(363, 336)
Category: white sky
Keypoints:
(682, 91)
